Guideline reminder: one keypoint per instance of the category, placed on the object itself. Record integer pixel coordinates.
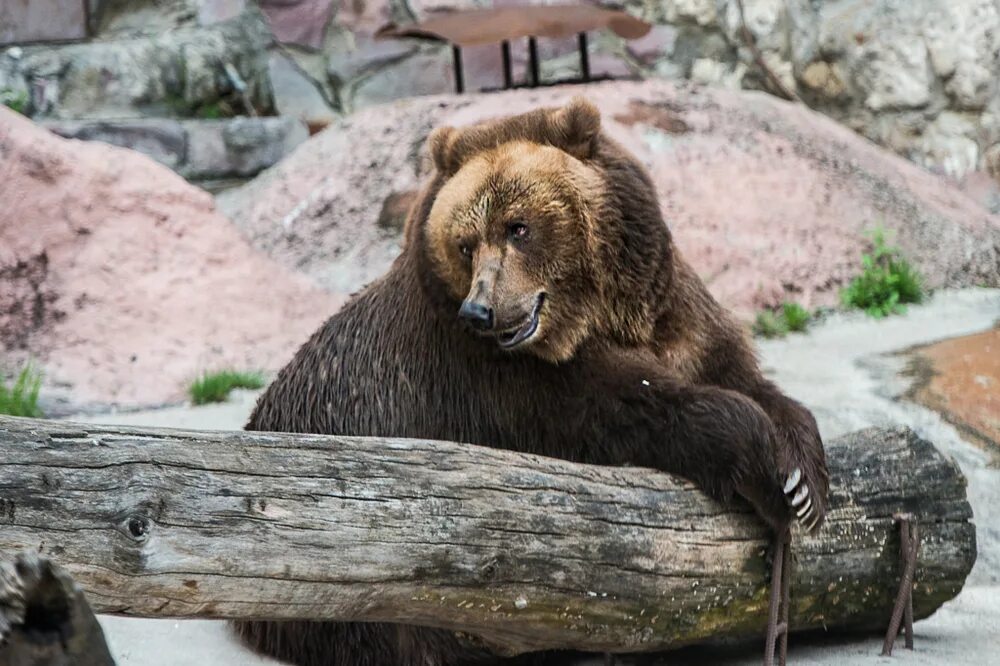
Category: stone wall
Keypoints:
(918, 77)
(175, 73)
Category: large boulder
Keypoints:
(124, 282)
(770, 201)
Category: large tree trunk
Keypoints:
(527, 552)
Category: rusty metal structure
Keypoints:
(501, 25)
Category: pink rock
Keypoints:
(125, 282)
(768, 200)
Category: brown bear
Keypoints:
(540, 305)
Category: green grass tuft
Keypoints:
(790, 317)
(211, 111)
(796, 317)
(216, 386)
(21, 399)
(887, 282)
(16, 101)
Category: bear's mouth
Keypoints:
(514, 337)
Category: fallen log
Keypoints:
(44, 618)
(525, 552)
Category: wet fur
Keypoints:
(662, 377)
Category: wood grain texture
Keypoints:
(526, 552)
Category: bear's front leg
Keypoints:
(721, 439)
(800, 454)
(632, 412)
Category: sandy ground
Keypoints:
(848, 372)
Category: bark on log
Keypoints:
(44, 618)
(526, 552)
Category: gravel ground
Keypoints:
(847, 371)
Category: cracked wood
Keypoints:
(524, 551)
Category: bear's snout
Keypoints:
(477, 315)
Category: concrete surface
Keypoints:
(847, 370)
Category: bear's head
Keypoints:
(543, 232)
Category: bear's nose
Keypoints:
(477, 315)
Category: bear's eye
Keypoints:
(517, 230)
(465, 249)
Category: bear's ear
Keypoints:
(440, 143)
(576, 126)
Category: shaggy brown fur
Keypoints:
(631, 361)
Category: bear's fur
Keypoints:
(545, 225)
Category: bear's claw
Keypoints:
(797, 493)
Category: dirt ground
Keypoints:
(849, 371)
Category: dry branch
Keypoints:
(527, 552)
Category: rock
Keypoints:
(296, 94)
(241, 146)
(123, 280)
(42, 20)
(164, 140)
(948, 145)
(176, 73)
(366, 56)
(825, 78)
(301, 22)
(708, 72)
(963, 41)
(429, 71)
(658, 43)
(197, 149)
(885, 68)
(895, 73)
(768, 200)
(120, 18)
(701, 12)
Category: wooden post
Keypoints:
(529, 553)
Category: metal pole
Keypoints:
(456, 53)
(584, 57)
(533, 60)
(508, 77)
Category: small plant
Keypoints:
(216, 386)
(16, 101)
(796, 317)
(887, 282)
(790, 317)
(21, 399)
(211, 111)
(769, 325)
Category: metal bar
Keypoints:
(777, 578)
(456, 54)
(786, 600)
(584, 57)
(533, 60)
(904, 596)
(908, 611)
(508, 76)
